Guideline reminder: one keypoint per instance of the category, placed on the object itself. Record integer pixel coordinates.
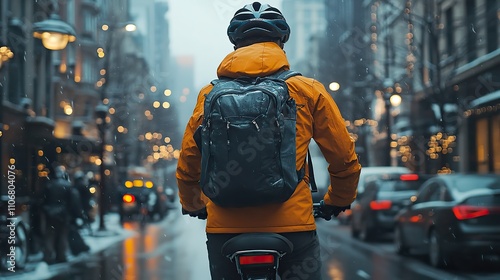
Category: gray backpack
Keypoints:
(247, 141)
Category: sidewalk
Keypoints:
(36, 269)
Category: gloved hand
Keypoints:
(326, 211)
(200, 214)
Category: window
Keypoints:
(70, 12)
(89, 24)
(449, 31)
(426, 193)
(482, 151)
(89, 71)
(492, 25)
(495, 134)
(470, 7)
(436, 192)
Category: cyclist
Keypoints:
(258, 33)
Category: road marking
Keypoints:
(363, 274)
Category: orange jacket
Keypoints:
(318, 117)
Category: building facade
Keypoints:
(443, 57)
(31, 84)
(49, 101)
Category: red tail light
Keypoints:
(464, 212)
(128, 198)
(409, 177)
(257, 259)
(380, 204)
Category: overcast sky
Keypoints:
(198, 28)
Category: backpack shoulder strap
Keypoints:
(286, 74)
(216, 81)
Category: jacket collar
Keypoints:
(258, 59)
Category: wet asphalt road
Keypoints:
(175, 249)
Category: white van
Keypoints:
(368, 172)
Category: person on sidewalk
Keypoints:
(81, 184)
(78, 218)
(56, 207)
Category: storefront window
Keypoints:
(482, 145)
(496, 144)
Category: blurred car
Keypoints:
(383, 196)
(165, 201)
(135, 196)
(367, 173)
(452, 215)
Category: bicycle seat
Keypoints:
(257, 241)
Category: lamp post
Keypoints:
(128, 27)
(101, 114)
(391, 99)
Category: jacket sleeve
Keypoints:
(337, 146)
(189, 162)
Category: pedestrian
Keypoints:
(56, 206)
(258, 33)
(81, 184)
(78, 218)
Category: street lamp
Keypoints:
(5, 55)
(54, 33)
(334, 86)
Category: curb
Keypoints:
(36, 269)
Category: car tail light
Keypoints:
(408, 177)
(464, 212)
(415, 218)
(128, 198)
(380, 204)
(257, 259)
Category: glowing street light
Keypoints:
(334, 86)
(54, 33)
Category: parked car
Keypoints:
(367, 173)
(452, 215)
(383, 196)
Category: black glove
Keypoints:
(200, 214)
(326, 211)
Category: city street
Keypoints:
(174, 249)
(111, 111)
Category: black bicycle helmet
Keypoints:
(257, 22)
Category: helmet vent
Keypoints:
(256, 6)
(244, 16)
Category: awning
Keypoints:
(476, 66)
(486, 99)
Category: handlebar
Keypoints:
(202, 214)
(316, 209)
